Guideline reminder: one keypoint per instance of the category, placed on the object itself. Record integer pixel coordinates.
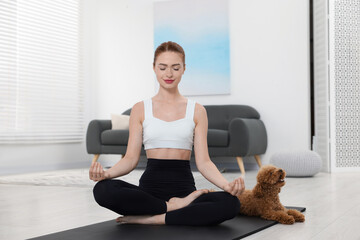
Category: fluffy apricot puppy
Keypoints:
(263, 200)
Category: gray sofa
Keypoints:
(233, 131)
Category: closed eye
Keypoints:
(175, 69)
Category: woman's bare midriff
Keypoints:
(168, 153)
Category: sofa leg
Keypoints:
(241, 165)
(258, 160)
(96, 157)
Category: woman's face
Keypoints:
(169, 68)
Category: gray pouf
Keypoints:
(298, 164)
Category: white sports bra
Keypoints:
(158, 133)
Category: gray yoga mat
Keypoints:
(236, 228)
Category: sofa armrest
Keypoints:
(248, 137)
(93, 135)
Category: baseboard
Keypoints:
(42, 168)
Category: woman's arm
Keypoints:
(132, 156)
(202, 158)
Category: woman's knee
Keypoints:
(101, 192)
(232, 204)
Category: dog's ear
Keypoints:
(258, 191)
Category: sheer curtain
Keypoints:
(41, 85)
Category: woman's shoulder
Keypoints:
(199, 113)
(138, 110)
(137, 106)
(199, 107)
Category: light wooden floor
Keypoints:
(332, 202)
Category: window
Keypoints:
(41, 85)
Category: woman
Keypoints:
(168, 125)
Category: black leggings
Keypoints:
(162, 180)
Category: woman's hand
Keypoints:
(235, 187)
(97, 173)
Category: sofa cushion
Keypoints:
(119, 121)
(218, 138)
(220, 116)
(115, 137)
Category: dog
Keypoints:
(263, 200)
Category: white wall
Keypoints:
(269, 71)
(270, 68)
(123, 47)
(269, 63)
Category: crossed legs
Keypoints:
(138, 206)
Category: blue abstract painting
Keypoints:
(201, 27)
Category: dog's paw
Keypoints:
(298, 216)
(287, 220)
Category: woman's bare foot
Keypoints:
(155, 220)
(176, 203)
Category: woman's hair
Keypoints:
(169, 47)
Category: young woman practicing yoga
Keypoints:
(168, 125)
